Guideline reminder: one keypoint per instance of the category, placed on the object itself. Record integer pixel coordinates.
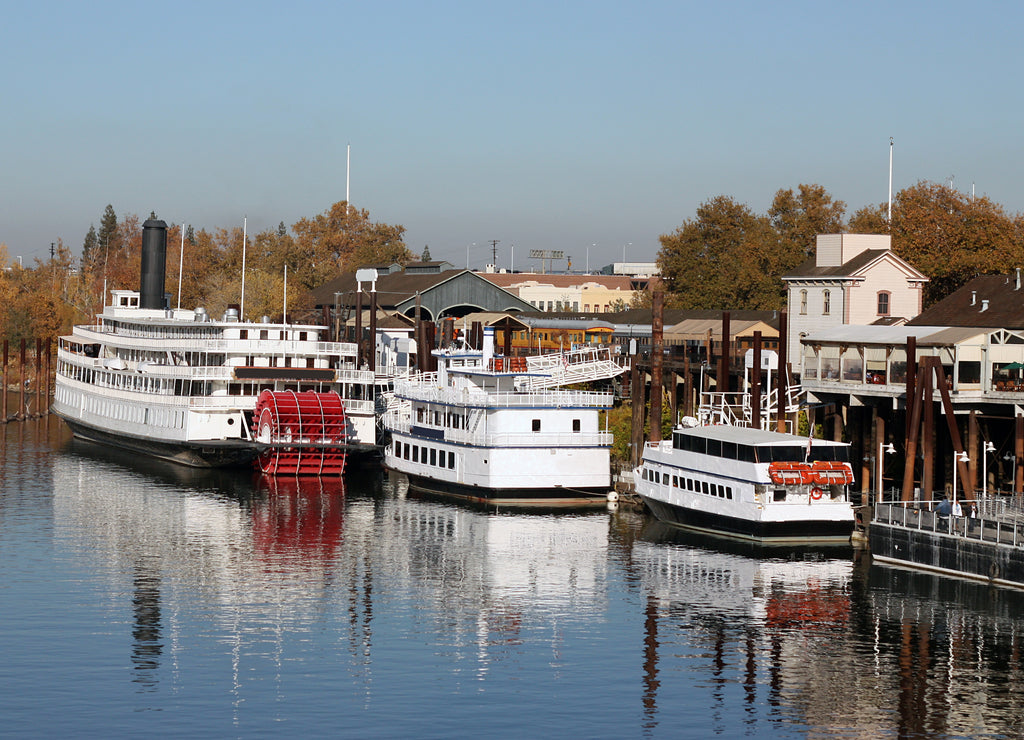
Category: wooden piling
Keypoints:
(657, 364)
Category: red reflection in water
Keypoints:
(299, 515)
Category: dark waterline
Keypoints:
(141, 598)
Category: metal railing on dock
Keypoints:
(996, 521)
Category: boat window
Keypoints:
(689, 484)
(415, 453)
(451, 460)
(675, 481)
(728, 493)
(704, 486)
(536, 425)
(575, 425)
(745, 453)
(433, 456)
(715, 447)
(729, 450)
(780, 494)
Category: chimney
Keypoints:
(154, 258)
(984, 304)
(974, 297)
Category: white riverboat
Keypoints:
(749, 483)
(179, 385)
(503, 429)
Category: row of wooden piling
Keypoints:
(31, 381)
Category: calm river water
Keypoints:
(142, 599)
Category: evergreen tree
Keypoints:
(425, 257)
(108, 238)
(89, 247)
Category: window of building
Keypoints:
(883, 303)
(826, 302)
(803, 301)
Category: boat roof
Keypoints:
(751, 436)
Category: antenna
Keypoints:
(241, 307)
(494, 252)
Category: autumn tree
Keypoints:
(870, 220)
(726, 258)
(799, 217)
(342, 239)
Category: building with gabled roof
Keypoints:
(987, 301)
(852, 279)
(445, 294)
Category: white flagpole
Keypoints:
(241, 309)
(889, 219)
(348, 174)
(181, 262)
(284, 310)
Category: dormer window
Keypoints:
(826, 302)
(803, 301)
(883, 303)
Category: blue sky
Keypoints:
(581, 126)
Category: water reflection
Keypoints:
(737, 615)
(360, 594)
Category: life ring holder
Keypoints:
(816, 493)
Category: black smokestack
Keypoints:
(154, 264)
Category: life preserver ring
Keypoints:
(816, 493)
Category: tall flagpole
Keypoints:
(241, 309)
(890, 184)
(348, 173)
(181, 262)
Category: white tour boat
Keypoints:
(749, 483)
(499, 429)
(178, 385)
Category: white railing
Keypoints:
(477, 398)
(510, 439)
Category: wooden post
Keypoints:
(911, 375)
(928, 432)
(973, 451)
(1019, 454)
(723, 363)
(21, 382)
(38, 382)
(687, 386)
(657, 364)
(636, 398)
(6, 360)
(755, 384)
(782, 382)
(372, 350)
(359, 325)
(879, 441)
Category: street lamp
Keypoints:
(987, 448)
(958, 457)
(888, 449)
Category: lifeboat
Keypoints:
(825, 473)
(789, 473)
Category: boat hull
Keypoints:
(552, 496)
(208, 454)
(823, 531)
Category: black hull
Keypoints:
(951, 555)
(823, 531)
(226, 454)
(554, 496)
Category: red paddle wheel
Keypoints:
(305, 433)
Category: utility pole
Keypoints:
(494, 252)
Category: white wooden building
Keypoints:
(852, 279)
